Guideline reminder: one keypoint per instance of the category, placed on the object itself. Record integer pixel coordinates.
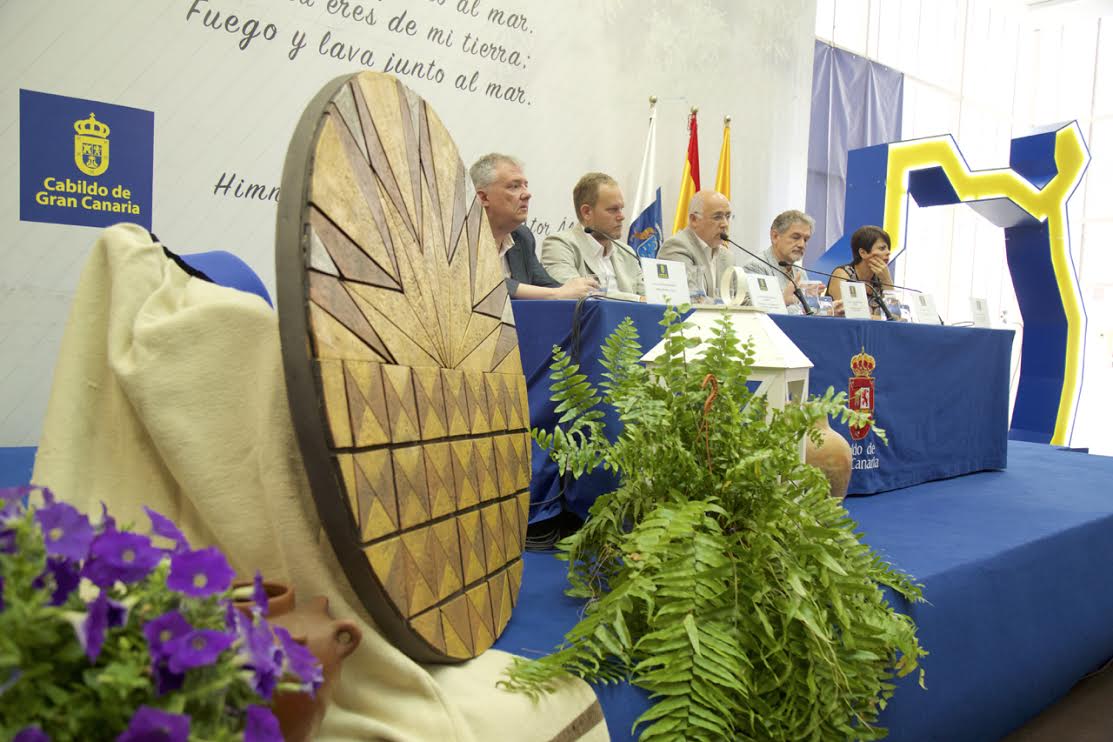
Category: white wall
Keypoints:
(589, 69)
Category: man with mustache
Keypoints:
(788, 236)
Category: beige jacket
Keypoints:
(574, 252)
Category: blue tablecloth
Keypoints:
(942, 393)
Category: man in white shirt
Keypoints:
(788, 236)
(503, 191)
(592, 248)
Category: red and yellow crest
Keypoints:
(861, 391)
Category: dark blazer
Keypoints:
(523, 262)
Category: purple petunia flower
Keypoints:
(261, 726)
(231, 615)
(259, 595)
(163, 526)
(159, 631)
(163, 629)
(166, 681)
(7, 541)
(198, 648)
(31, 734)
(155, 725)
(118, 555)
(301, 661)
(260, 653)
(93, 628)
(11, 502)
(66, 575)
(66, 532)
(107, 522)
(199, 573)
(103, 614)
(117, 614)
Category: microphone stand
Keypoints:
(879, 298)
(787, 274)
(879, 281)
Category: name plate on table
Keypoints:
(666, 282)
(923, 309)
(979, 310)
(855, 300)
(765, 293)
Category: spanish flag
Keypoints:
(722, 175)
(689, 181)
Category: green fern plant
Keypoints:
(719, 576)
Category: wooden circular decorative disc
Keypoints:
(402, 368)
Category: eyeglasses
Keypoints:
(721, 216)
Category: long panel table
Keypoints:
(941, 393)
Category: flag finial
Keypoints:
(653, 100)
(695, 109)
(726, 120)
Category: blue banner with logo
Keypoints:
(84, 162)
(645, 230)
(940, 393)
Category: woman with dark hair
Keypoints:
(870, 247)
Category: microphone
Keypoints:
(592, 232)
(879, 298)
(787, 274)
(878, 286)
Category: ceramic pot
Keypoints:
(330, 640)
(832, 457)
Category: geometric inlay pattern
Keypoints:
(402, 368)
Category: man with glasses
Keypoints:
(788, 236)
(700, 245)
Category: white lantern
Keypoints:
(779, 366)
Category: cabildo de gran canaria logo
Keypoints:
(84, 162)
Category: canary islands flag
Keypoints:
(689, 180)
(645, 230)
(722, 175)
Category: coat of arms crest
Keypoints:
(90, 146)
(861, 391)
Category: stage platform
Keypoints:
(1017, 566)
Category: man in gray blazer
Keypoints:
(503, 191)
(592, 248)
(700, 245)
